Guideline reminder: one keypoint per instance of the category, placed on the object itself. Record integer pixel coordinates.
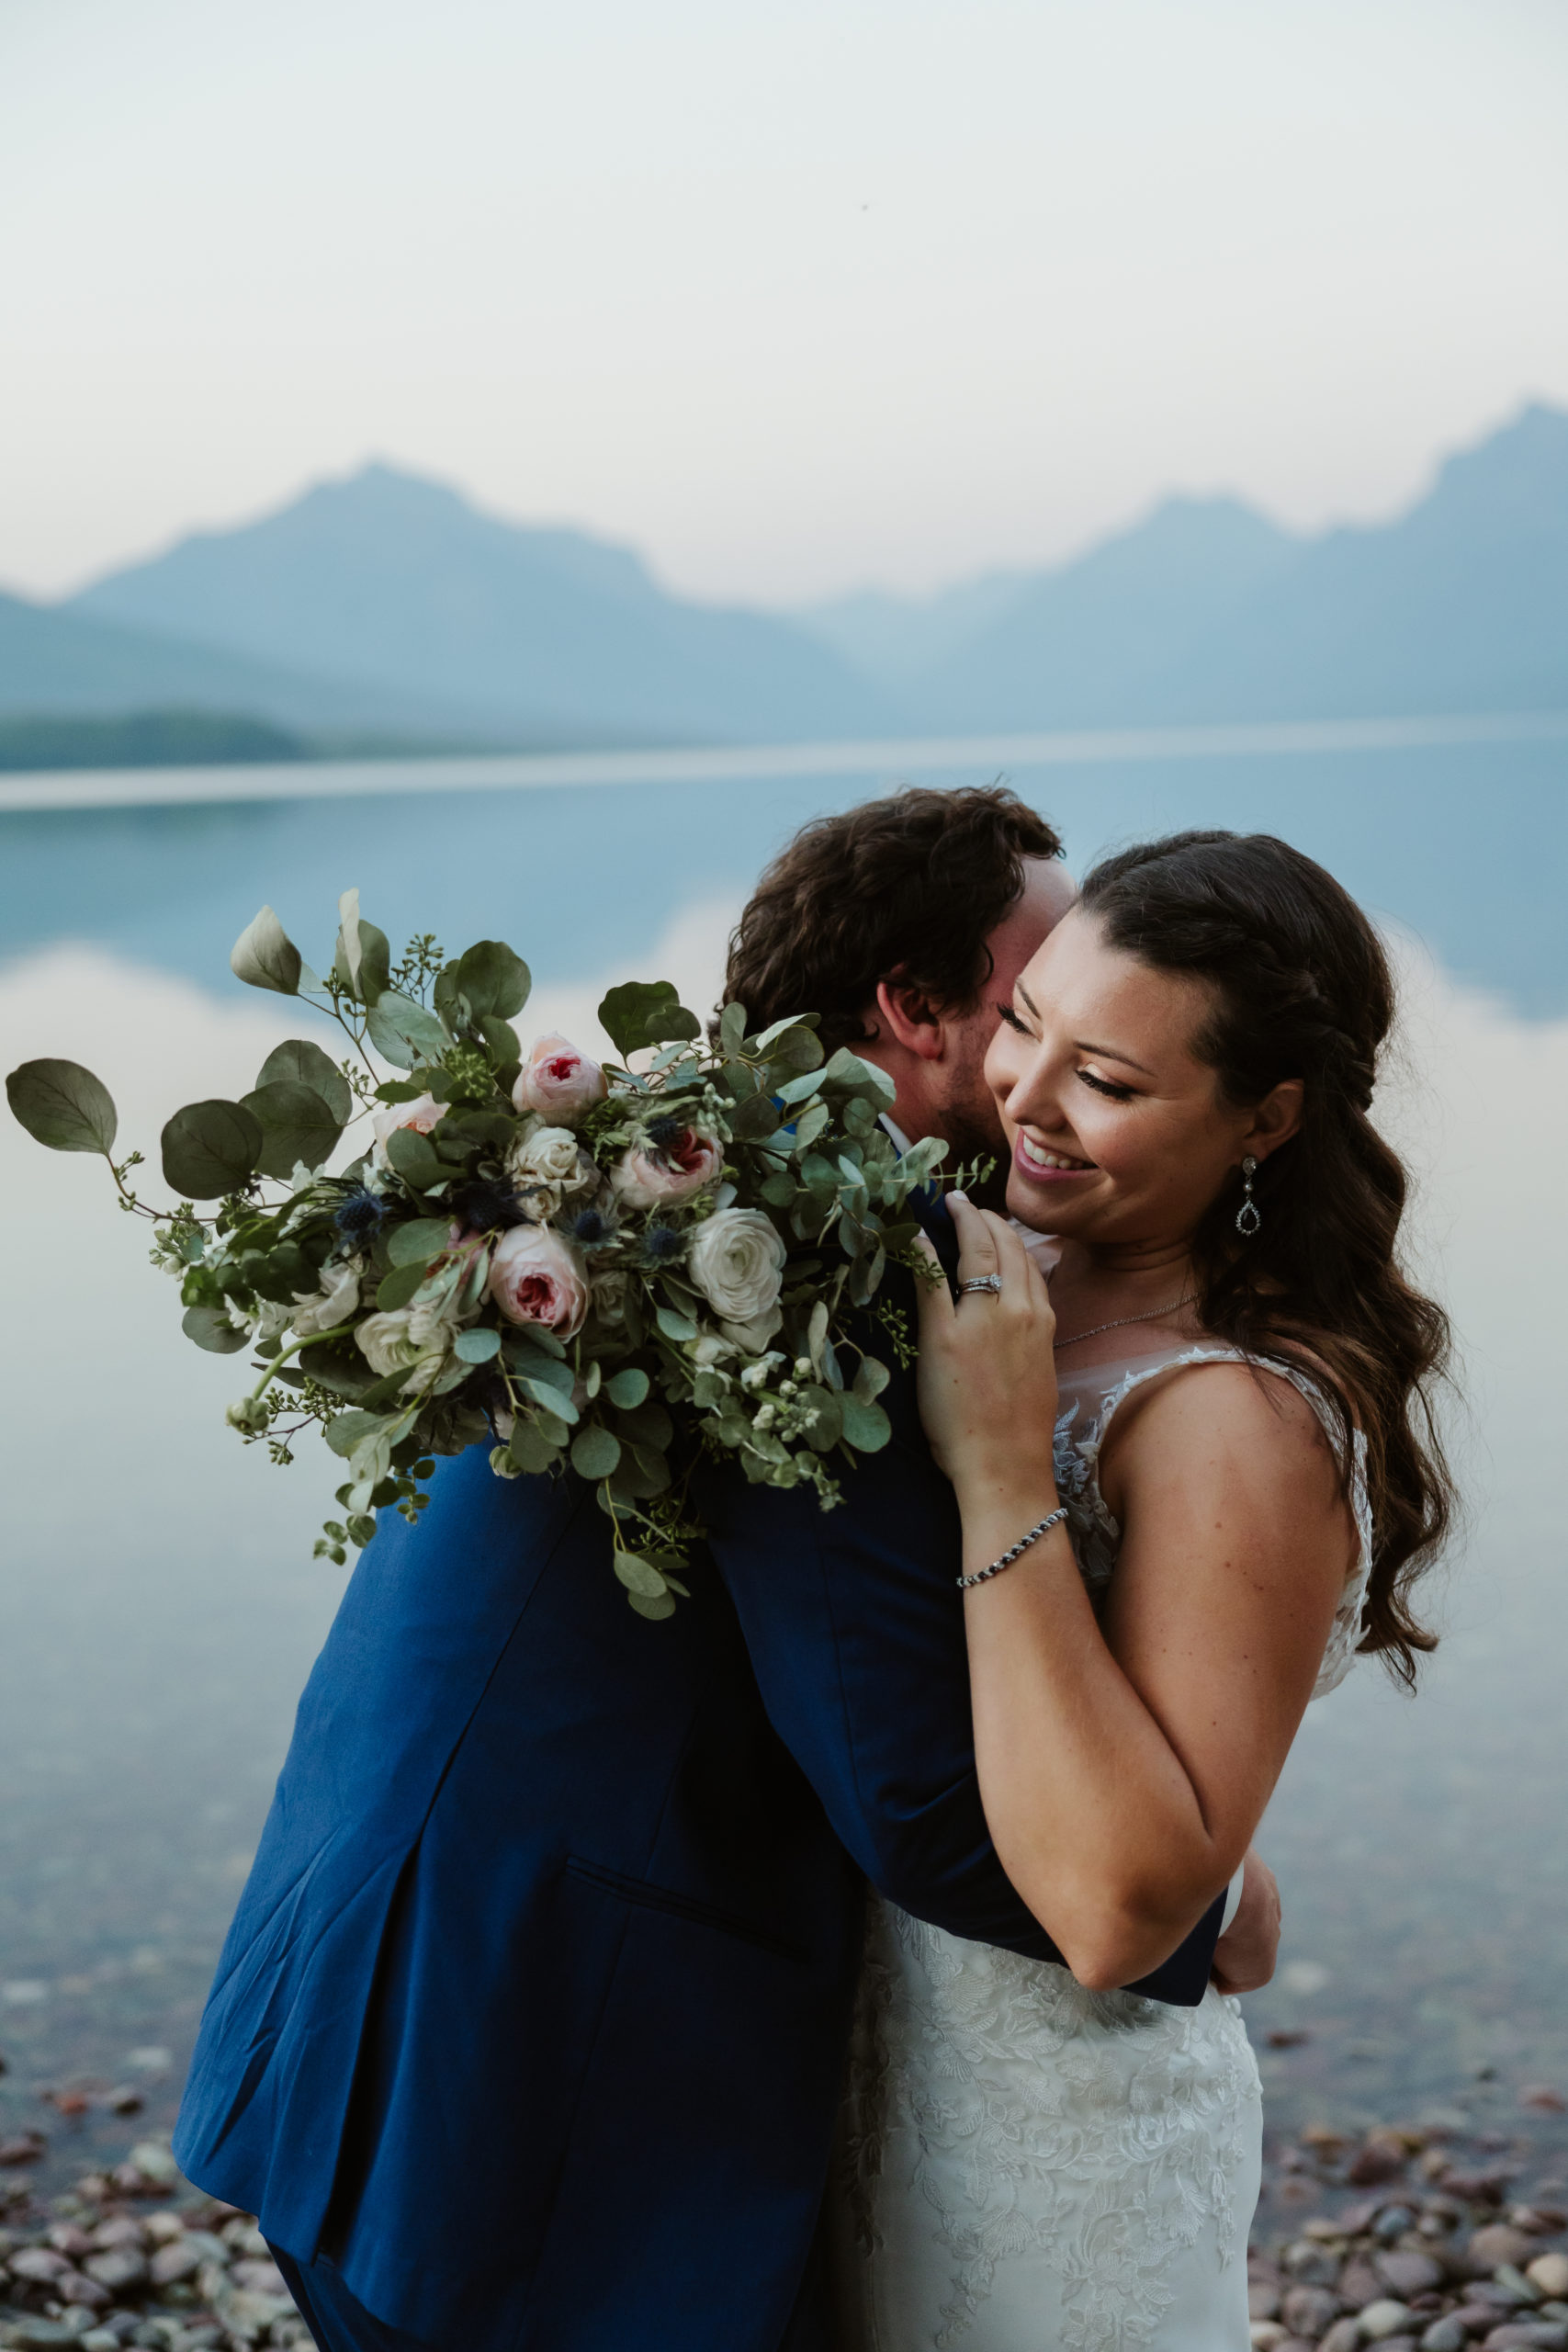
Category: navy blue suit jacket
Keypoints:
(533, 2013)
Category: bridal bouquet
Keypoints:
(527, 1246)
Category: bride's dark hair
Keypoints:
(1302, 988)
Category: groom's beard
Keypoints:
(973, 1130)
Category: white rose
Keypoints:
(551, 1157)
(737, 1260)
(325, 1309)
(388, 1345)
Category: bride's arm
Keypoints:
(1123, 1767)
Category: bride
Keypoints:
(1159, 1571)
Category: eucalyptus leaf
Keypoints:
(866, 1426)
(296, 1124)
(646, 1013)
(477, 1345)
(638, 1574)
(525, 1357)
(264, 957)
(397, 1287)
(646, 1605)
(347, 1431)
(732, 1030)
(595, 1454)
(857, 1077)
(628, 1387)
(673, 1326)
(403, 1031)
(297, 1058)
(64, 1106)
(493, 978)
(809, 1125)
(418, 1241)
(529, 1447)
(363, 957)
(871, 1379)
(414, 1157)
(209, 1149)
(210, 1328)
(553, 1400)
(756, 1116)
(797, 1049)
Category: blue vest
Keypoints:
(532, 2012)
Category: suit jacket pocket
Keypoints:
(643, 1892)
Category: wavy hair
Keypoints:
(1302, 988)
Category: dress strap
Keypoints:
(1096, 1533)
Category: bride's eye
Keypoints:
(1014, 1021)
(1107, 1086)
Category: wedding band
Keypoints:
(990, 1284)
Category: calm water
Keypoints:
(161, 1608)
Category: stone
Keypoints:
(1529, 2336)
(173, 2262)
(67, 2237)
(76, 2287)
(1360, 2285)
(1375, 2161)
(23, 2148)
(121, 2230)
(1267, 2335)
(1310, 2310)
(154, 2162)
(1550, 2273)
(121, 2266)
(1447, 2334)
(100, 2339)
(1408, 2274)
(266, 2278)
(1514, 2282)
(1497, 2243)
(30, 2334)
(1315, 2266)
(39, 2263)
(163, 2228)
(1262, 2297)
(1343, 2336)
(1393, 2222)
(1541, 2096)
(1385, 2317)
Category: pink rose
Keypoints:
(535, 1277)
(420, 1114)
(668, 1171)
(557, 1081)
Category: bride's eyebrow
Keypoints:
(1028, 1000)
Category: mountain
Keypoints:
(399, 584)
(1207, 611)
(55, 662)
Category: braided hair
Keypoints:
(1301, 990)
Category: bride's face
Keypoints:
(1119, 1133)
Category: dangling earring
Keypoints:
(1250, 1217)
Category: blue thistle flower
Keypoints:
(359, 1217)
(661, 1242)
(665, 1131)
(485, 1204)
(591, 1228)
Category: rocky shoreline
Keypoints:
(135, 2256)
(1429, 2237)
(1418, 2238)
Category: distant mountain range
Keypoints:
(388, 609)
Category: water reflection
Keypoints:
(162, 1607)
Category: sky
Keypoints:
(794, 298)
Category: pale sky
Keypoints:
(794, 298)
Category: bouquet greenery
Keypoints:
(532, 1248)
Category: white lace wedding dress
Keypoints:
(1025, 2167)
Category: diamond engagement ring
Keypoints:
(990, 1284)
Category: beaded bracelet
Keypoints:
(1053, 1519)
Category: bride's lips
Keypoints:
(1047, 1171)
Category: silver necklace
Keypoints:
(1153, 1315)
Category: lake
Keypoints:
(161, 1604)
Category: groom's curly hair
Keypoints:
(909, 887)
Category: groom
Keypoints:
(527, 2033)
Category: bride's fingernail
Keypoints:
(959, 1196)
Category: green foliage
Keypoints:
(646, 1013)
(211, 1328)
(299, 1059)
(64, 1106)
(492, 980)
(266, 958)
(404, 1032)
(211, 1148)
(296, 1125)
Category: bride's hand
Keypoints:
(987, 1379)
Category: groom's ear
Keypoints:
(908, 1017)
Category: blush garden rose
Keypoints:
(600, 1266)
